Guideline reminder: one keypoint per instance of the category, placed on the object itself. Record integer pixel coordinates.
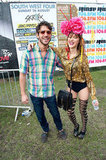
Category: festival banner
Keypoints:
(94, 17)
(25, 17)
(8, 55)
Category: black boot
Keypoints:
(81, 134)
(76, 131)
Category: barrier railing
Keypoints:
(10, 96)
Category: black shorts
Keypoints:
(77, 86)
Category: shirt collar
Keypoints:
(40, 49)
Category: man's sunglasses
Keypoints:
(43, 32)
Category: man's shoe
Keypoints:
(81, 135)
(44, 137)
(76, 131)
(62, 135)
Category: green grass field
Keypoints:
(20, 140)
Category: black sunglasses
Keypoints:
(43, 32)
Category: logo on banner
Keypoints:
(34, 17)
(6, 54)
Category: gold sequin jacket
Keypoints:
(80, 70)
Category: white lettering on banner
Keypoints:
(6, 53)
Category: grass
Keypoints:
(20, 140)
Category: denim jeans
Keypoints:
(40, 113)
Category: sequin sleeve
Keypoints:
(88, 78)
(58, 51)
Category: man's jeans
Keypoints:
(51, 104)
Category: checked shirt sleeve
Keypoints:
(24, 64)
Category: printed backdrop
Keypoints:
(8, 55)
(23, 18)
(94, 17)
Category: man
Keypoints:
(41, 62)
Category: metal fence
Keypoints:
(10, 96)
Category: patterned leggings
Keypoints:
(83, 112)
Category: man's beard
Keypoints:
(44, 43)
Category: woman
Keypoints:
(82, 84)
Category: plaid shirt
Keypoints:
(40, 83)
